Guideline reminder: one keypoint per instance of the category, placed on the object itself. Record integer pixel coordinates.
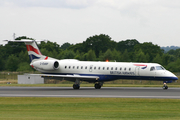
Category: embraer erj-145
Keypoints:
(94, 72)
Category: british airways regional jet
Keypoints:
(93, 72)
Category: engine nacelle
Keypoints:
(46, 64)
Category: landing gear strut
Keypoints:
(165, 87)
(76, 84)
(98, 85)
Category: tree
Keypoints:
(151, 49)
(108, 55)
(49, 46)
(65, 46)
(175, 53)
(140, 56)
(174, 66)
(147, 57)
(116, 55)
(157, 59)
(45, 52)
(165, 59)
(23, 57)
(91, 55)
(24, 67)
(98, 43)
(68, 54)
(1, 58)
(12, 63)
(78, 47)
(125, 56)
(127, 45)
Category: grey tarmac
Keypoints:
(104, 92)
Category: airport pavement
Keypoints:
(105, 92)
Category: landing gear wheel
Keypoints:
(76, 86)
(165, 87)
(97, 86)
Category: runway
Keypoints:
(104, 92)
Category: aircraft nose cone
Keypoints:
(175, 78)
(172, 76)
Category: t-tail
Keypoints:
(38, 61)
(32, 48)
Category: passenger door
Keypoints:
(90, 68)
(137, 69)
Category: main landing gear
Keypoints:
(76, 84)
(98, 85)
(165, 87)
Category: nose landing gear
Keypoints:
(165, 87)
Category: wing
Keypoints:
(69, 77)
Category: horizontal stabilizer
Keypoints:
(24, 40)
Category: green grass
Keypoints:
(20, 108)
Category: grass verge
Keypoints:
(20, 108)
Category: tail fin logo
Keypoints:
(31, 48)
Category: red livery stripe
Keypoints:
(32, 66)
(140, 65)
(31, 48)
(46, 58)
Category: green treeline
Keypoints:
(14, 56)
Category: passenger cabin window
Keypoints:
(111, 68)
(120, 68)
(103, 68)
(124, 68)
(81, 67)
(99, 68)
(116, 68)
(77, 67)
(69, 67)
(107, 68)
(94, 68)
(65, 67)
(73, 67)
(152, 68)
(129, 69)
(86, 67)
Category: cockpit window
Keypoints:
(152, 68)
(159, 68)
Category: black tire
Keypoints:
(97, 86)
(165, 87)
(76, 86)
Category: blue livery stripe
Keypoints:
(116, 77)
(32, 57)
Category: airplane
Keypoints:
(93, 71)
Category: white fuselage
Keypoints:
(110, 70)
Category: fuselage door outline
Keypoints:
(90, 68)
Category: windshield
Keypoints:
(160, 68)
(157, 68)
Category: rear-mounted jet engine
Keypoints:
(46, 64)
